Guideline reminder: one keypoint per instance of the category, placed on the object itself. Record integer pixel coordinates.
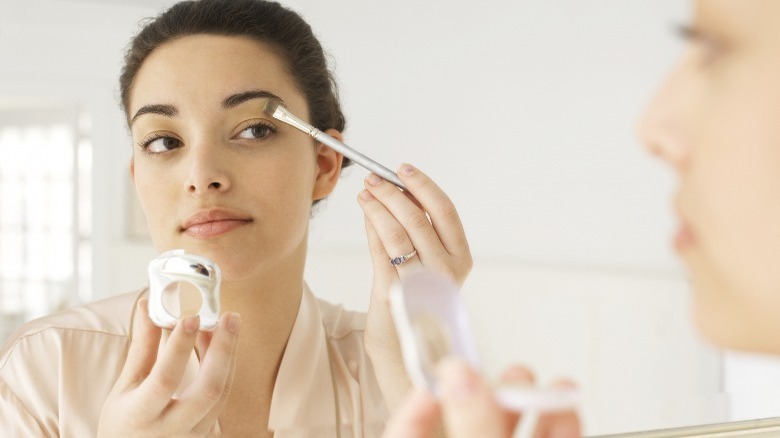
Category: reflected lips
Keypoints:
(684, 238)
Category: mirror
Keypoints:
(182, 299)
(524, 112)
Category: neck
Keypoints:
(268, 303)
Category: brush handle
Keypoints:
(357, 157)
(283, 114)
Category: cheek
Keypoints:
(156, 199)
(738, 170)
(289, 176)
(735, 182)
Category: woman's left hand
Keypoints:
(397, 223)
(468, 408)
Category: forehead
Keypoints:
(744, 15)
(204, 69)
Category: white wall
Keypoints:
(524, 112)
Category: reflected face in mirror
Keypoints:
(716, 122)
(215, 175)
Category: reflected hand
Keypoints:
(469, 409)
(141, 403)
(397, 223)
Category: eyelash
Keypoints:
(687, 32)
(145, 143)
(273, 130)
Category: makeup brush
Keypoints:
(274, 109)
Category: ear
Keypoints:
(132, 169)
(328, 168)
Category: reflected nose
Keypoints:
(208, 171)
(664, 124)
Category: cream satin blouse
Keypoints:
(56, 372)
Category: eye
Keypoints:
(257, 131)
(159, 144)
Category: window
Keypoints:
(45, 212)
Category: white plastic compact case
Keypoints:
(174, 268)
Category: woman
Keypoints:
(716, 123)
(219, 178)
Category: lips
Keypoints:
(211, 223)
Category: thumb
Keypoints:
(417, 417)
(468, 404)
(142, 354)
(564, 424)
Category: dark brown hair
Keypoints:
(282, 29)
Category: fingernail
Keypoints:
(373, 179)
(366, 195)
(458, 380)
(564, 384)
(191, 324)
(234, 322)
(406, 169)
(518, 374)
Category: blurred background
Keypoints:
(524, 112)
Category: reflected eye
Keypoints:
(257, 131)
(708, 45)
(158, 145)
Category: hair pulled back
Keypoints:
(282, 29)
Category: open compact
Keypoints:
(171, 275)
(432, 323)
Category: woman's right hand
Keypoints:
(141, 402)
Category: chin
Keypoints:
(715, 330)
(731, 325)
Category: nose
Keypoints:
(208, 171)
(663, 128)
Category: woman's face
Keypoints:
(716, 122)
(214, 174)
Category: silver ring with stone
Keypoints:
(399, 260)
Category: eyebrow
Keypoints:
(231, 101)
(237, 99)
(165, 110)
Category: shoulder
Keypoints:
(110, 317)
(341, 323)
(47, 363)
